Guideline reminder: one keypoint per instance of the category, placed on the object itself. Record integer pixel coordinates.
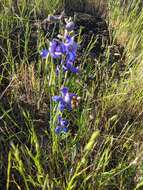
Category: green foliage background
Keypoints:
(106, 151)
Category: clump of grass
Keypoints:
(103, 149)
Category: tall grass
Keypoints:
(103, 149)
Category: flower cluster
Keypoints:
(64, 49)
(65, 100)
(61, 125)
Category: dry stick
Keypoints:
(3, 93)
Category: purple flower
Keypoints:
(71, 48)
(62, 122)
(65, 100)
(64, 91)
(70, 45)
(57, 98)
(69, 66)
(44, 53)
(58, 130)
(65, 129)
(61, 125)
(70, 51)
(56, 48)
(70, 26)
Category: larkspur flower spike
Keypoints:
(64, 49)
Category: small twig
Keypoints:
(3, 93)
